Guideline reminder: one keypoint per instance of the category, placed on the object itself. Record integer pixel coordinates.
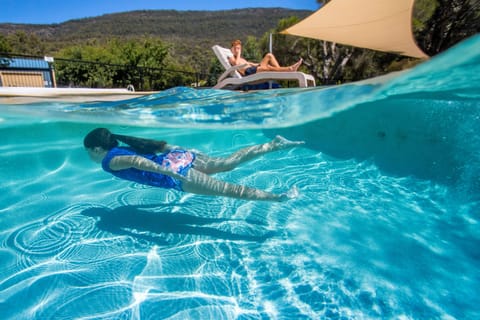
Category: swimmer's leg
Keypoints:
(200, 183)
(211, 165)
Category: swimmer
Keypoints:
(156, 163)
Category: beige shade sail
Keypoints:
(383, 25)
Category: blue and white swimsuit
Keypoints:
(179, 161)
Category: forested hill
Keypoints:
(189, 28)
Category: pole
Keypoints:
(270, 43)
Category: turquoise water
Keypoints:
(386, 224)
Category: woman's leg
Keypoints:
(270, 63)
(211, 165)
(269, 60)
(200, 183)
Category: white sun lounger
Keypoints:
(232, 78)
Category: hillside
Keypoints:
(180, 28)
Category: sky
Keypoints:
(57, 11)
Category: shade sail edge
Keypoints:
(363, 24)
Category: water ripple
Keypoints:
(50, 236)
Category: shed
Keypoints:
(27, 72)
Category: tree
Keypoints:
(443, 23)
(4, 48)
(4, 45)
(326, 61)
(438, 25)
(142, 63)
(26, 43)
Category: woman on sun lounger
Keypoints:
(156, 163)
(268, 63)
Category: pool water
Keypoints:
(386, 224)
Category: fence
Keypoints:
(77, 73)
(33, 71)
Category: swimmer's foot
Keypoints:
(290, 194)
(282, 143)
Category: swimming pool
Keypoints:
(386, 224)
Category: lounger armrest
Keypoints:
(230, 70)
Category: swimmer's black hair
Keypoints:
(102, 137)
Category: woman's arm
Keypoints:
(141, 163)
(236, 59)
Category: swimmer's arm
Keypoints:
(141, 163)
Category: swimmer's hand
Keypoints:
(282, 143)
(290, 194)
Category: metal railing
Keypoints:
(71, 73)
(25, 70)
(78, 73)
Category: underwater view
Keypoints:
(386, 223)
